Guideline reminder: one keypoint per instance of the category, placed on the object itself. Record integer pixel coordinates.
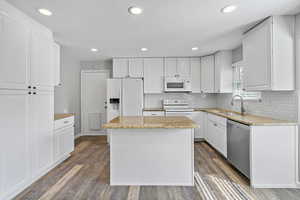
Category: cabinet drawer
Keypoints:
(153, 113)
(69, 121)
(219, 120)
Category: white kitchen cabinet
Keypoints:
(41, 127)
(171, 67)
(217, 133)
(208, 74)
(41, 68)
(56, 64)
(268, 55)
(120, 67)
(153, 113)
(63, 142)
(153, 75)
(196, 75)
(136, 67)
(14, 143)
(223, 71)
(177, 67)
(14, 53)
(184, 67)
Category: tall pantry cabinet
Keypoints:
(26, 100)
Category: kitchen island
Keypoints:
(151, 151)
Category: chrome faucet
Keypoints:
(242, 103)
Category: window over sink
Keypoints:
(238, 83)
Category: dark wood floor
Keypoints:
(85, 175)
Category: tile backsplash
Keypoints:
(278, 105)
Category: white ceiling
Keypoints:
(166, 28)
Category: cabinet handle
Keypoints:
(29, 92)
(65, 122)
(29, 87)
(215, 124)
(34, 92)
(34, 87)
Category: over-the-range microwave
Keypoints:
(178, 84)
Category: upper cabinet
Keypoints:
(208, 74)
(196, 75)
(56, 64)
(25, 54)
(135, 67)
(177, 67)
(223, 71)
(14, 53)
(128, 67)
(153, 75)
(268, 55)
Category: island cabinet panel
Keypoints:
(153, 75)
(152, 157)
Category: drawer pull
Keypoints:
(215, 124)
(65, 122)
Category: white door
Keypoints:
(14, 143)
(41, 127)
(93, 100)
(208, 74)
(14, 53)
(184, 67)
(195, 75)
(153, 75)
(257, 55)
(171, 67)
(42, 70)
(132, 97)
(136, 67)
(120, 67)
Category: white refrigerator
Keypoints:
(125, 97)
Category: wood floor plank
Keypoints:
(85, 176)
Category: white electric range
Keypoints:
(176, 107)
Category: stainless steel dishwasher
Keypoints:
(238, 141)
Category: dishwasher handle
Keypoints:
(238, 125)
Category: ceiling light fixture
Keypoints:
(45, 12)
(94, 50)
(229, 9)
(195, 48)
(135, 10)
(144, 49)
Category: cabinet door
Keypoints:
(198, 118)
(196, 75)
(153, 75)
(14, 143)
(42, 70)
(14, 53)
(220, 138)
(66, 141)
(210, 133)
(56, 63)
(120, 67)
(136, 67)
(184, 67)
(171, 67)
(223, 72)
(257, 55)
(208, 74)
(42, 118)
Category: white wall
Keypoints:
(68, 96)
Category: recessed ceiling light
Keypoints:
(195, 48)
(229, 9)
(135, 10)
(44, 11)
(94, 50)
(144, 49)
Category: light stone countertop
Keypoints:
(150, 122)
(248, 119)
(62, 115)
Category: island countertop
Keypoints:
(140, 122)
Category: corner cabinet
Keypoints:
(223, 71)
(269, 57)
(153, 75)
(196, 74)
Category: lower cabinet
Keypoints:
(216, 133)
(63, 138)
(198, 117)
